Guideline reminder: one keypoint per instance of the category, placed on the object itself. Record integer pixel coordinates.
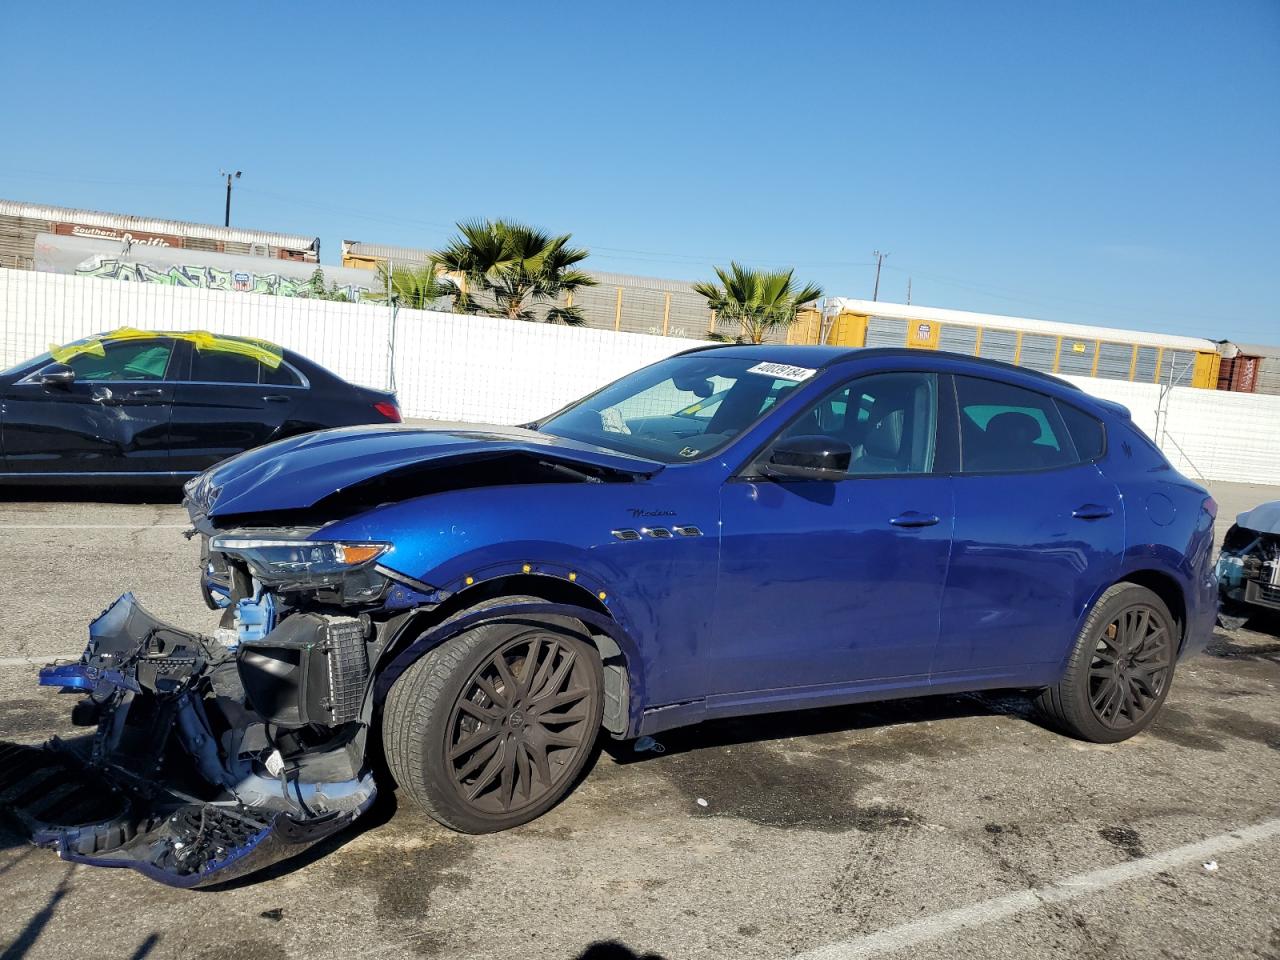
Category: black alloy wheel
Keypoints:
(522, 721)
(1119, 670)
(493, 727)
(1130, 667)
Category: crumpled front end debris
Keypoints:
(206, 761)
(1248, 568)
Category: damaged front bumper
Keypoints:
(206, 761)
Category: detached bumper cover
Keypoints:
(181, 779)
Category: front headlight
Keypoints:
(301, 563)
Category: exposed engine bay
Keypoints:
(212, 756)
(1249, 566)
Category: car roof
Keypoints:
(824, 356)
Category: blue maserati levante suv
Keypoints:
(733, 530)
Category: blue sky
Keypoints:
(1090, 161)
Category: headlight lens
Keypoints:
(317, 563)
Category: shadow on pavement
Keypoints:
(613, 950)
(30, 933)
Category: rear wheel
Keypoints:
(1120, 670)
(492, 728)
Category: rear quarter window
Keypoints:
(1087, 431)
(282, 376)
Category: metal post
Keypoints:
(226, 220)
(394, 305)
(875, 294)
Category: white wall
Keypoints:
(487, 369)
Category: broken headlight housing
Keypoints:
(306, 564)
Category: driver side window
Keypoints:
(124, 360)
(887, 419)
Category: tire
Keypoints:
(478, 759)
(1120, 668)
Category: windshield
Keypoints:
(40, 360)
(678, 409)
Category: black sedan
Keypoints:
(161, 407)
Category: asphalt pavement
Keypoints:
(935, 827)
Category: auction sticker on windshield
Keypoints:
(783, 371)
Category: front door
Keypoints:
(112, 419)
(825, 583)
(1039, 532)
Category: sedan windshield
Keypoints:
(678, 409)
(40, 361)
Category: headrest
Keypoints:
(1011, 427)
(885, 438)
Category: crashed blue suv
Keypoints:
(733, 530)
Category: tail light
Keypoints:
(388, 409)
(1210, 506)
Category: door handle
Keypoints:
(148, 392)
(1091, 511)
(913, 519)
(276, 398)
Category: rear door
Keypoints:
(1038, 532)
(113, 419)
(226, 404)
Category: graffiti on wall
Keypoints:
(211, 278)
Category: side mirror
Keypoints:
(809, 458)
(57, 375)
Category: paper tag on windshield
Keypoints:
(783, 371)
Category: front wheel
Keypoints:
(1120, 669)
(492, 728)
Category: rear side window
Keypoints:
(1086, 431)
(281, 376)
(1008, 429)
(221, 366)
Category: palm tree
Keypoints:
(757, 300)
(417, 288)
(516, 267)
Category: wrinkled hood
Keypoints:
(298, 472)
(1264, 518)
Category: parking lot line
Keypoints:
(95, 526)
(980, 914)
(36, 661)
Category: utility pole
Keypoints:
(226, 221)
(908, 291)
(875, 295)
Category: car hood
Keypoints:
(299, 472)
(1264, 518)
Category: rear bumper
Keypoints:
(1202, 614)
